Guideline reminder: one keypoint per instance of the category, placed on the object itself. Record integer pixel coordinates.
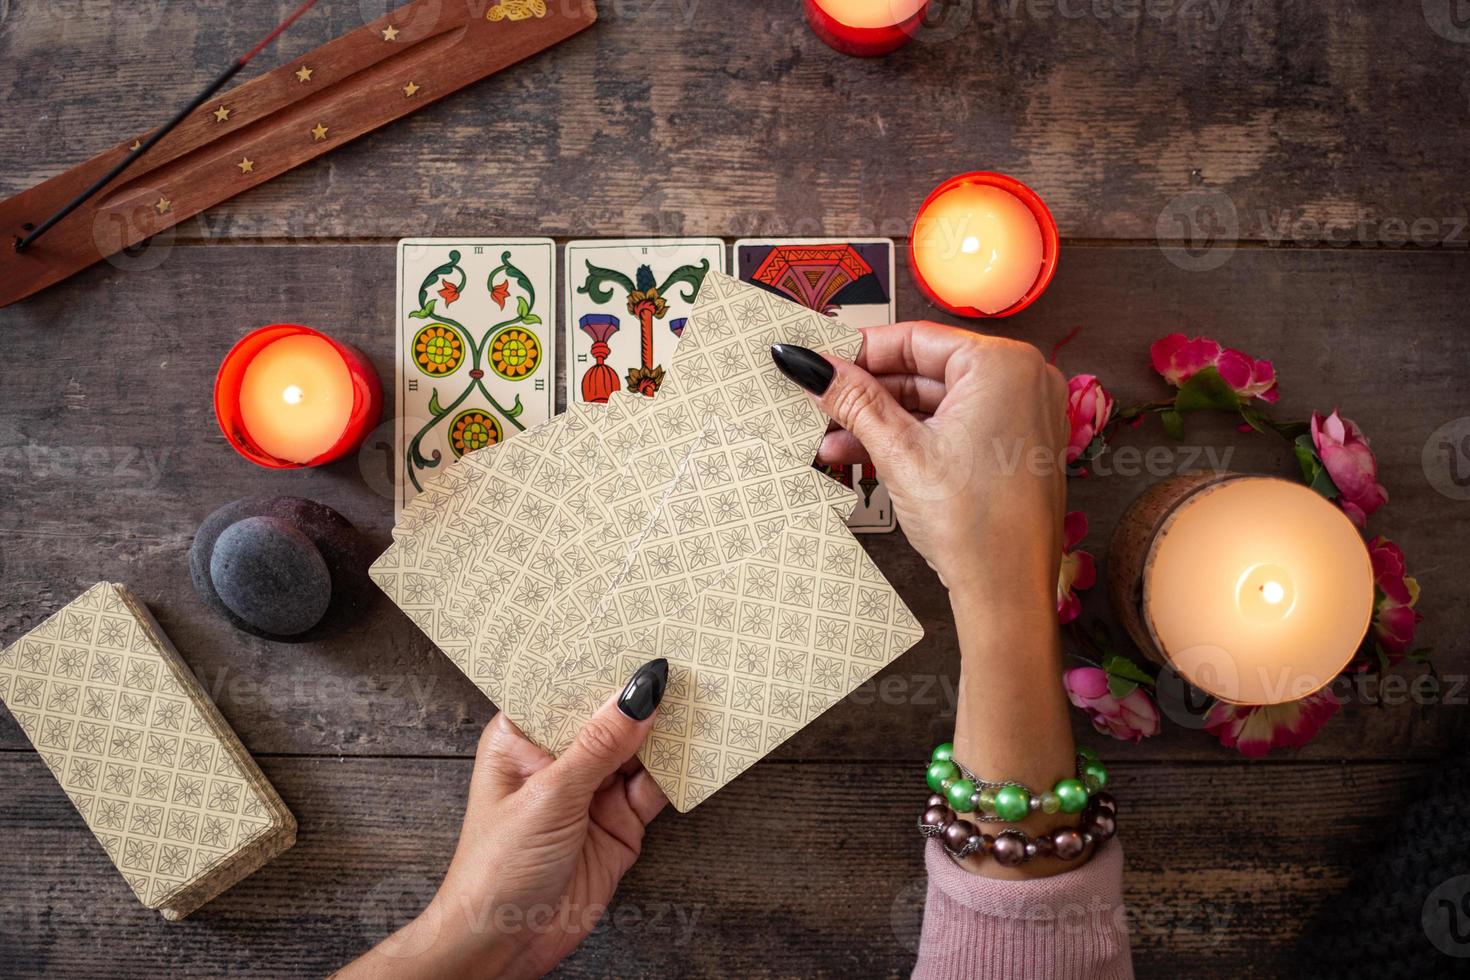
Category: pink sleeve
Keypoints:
(1069, 927)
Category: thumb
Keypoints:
(613, 735)
(850, 396)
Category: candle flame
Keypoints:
(293, 395)
(1265, 593)
(970, 245)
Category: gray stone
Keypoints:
(345, 552)
(271, 575)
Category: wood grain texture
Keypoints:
(1335, 124)
(351, 85)
(1267, 121)
(99, 488)
(756, 884)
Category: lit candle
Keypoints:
(288, 396)
(983, 245)
(1256, 590)
(866, 28)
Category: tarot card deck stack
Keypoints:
(152, 766)
(689, 525)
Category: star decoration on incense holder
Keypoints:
(690, 526)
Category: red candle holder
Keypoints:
(367, 396)
(864, 42)
(1050, 241)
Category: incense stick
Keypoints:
(22, 244)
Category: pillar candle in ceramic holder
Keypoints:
(983, 245)
(866, 28)
(287, 396)
(1253, 589)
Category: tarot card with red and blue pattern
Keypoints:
(851, 281)
(627, 303)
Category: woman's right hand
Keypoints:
(968, 433)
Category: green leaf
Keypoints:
(1256, 419)
(1206, 390)
(515, 410)
(522, 307)
(434, 408)
(1093, 450)
(1120, 687)
(1173, 424)
(1306, 457)
(1322, 483)
(595, 284)
(691, 277)
(1120, 666)
(1314, 474)
(425, 313)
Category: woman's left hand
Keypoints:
(544, 844)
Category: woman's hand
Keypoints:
(544, 844)
(968, 433)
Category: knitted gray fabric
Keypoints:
(1381, 925)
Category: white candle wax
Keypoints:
(978, 246)
(296, 398)
(1258, 590)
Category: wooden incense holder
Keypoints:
(256, 131)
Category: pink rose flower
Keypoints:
(1179, 358)
(1078, 571)
(1394, 617)
(1343, 449)
(1255, 729)
(1089, 406)
(1130, 718)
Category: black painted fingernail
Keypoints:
(645, 690)
(806, 367)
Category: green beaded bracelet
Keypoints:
(1011, 802)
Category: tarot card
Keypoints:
(851, 281)
(476, 356)
(627, 303)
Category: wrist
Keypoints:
(1007, 560)
(453, 936)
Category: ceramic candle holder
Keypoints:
(890, 24)
(953, 254)
(363, 392)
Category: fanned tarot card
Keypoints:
(689, 526)
(476, 357)
(627, 303)
(851, 281)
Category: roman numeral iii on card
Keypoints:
(476, 349)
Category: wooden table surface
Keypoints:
(1291, 181)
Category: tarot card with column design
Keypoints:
(851, 281)
(476, 360)
(628, 301)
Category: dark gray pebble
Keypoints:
(244, 583)
(271, 575)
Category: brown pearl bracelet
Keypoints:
(961, 838)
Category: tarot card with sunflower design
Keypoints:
(476, 361)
